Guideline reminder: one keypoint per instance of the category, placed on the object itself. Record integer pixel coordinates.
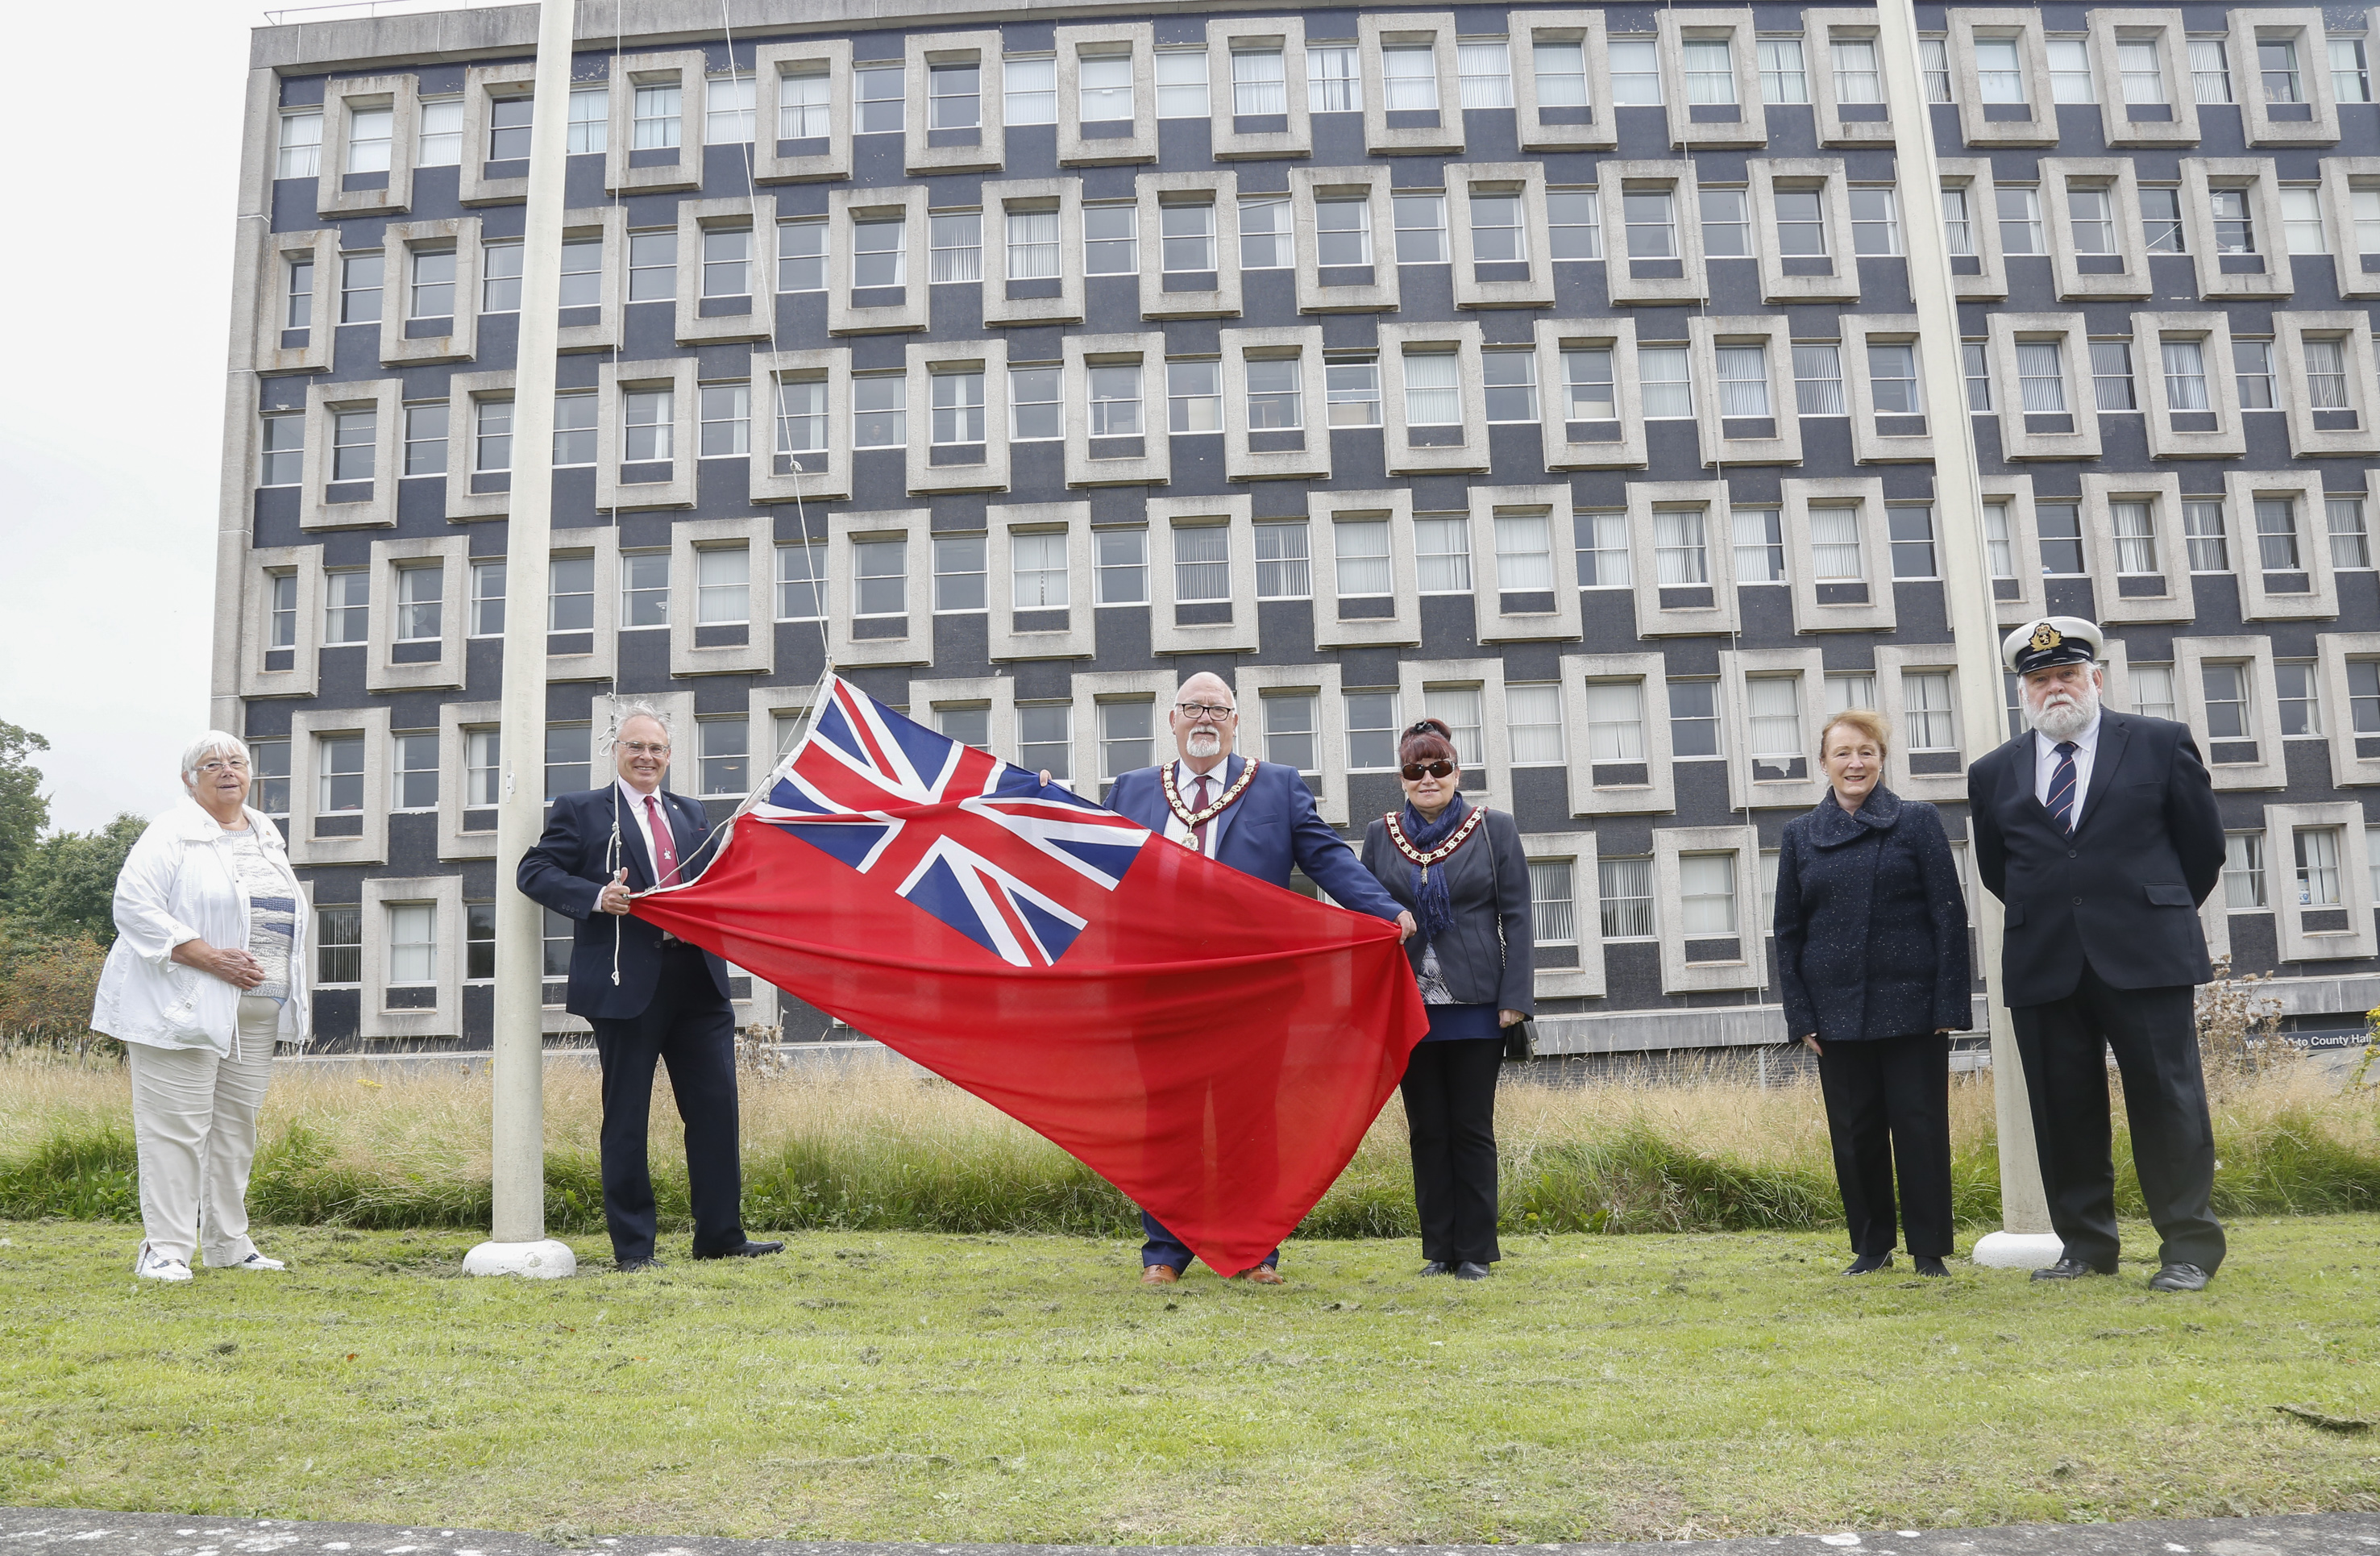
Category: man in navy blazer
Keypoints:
(2100, 832)
(653, 999)
(1263, 824)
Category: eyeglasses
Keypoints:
(1214, 713)
(222, 764)
(640, 749)
(1439, 769)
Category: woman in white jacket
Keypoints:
(207, 973)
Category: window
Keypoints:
(2302, 221)
(354, 444)
(882, 90)
(1045, 736)
(2277, 534)
(2136, 63)
(970, 725)
(2351, 82)
(440, 143)
(1038, 571)
(2252, 362)
(1801, 222)
(1371, 731)
(1264, 235)
(1032, 245)
(480, 940)
(1958, 222)
(1835, 550)
(500, 277)
(281, 450)
(1202, 563)
(1858, 78)
(1553, 914)
(2225, 684)
(271, 794)
(1123, 572)
(298, 312)
(1524, 551)
(652, 266)
(727, 262)
(1586, 375)
(2235, 229)
(1818, 380)
(2161, 220)
(2185, 374)
(1726, 224)
(801, 256)
(879, 411)
(590, 119)
(1875, 222)
(1283, 569)
(1912, 529)
(1625, 888)
(1335, 81)
(1104, 88)
(2091, 212)
(2041, 377)
(1486, 69)
(413, 782)
(2153, 690)
(491, 435)
(2111, 375)
(566, 764)
(1759, 543)
(509, 126)
(2070, 71)
(1035, 409)
(1668, 394)
(2210, 70)
(804, 101)
(1999, 547)
(723, 586)
(369, 133)
(1742, 380)
(1276, 399)
(2060, 528)
(1561, 75)
(2350, 545)
(1363, 558)
(281, 611)
(1706, 894)
(1028, 91)
(570, 594)
(1999, 72)
(1926, 710)
(1127, 736)
(801, 416)
(1975, 362)
(1636, 72)
(1187, 237)
(300, 153)
(1259, 86)
(1710, 71)
(1111, 240)
(2366, 206)
(1678, 547)
(1573, 225)
(879, 252)
(655, 124)
(879, 571)
(2325, 360)
(954, 96)
(1441, 555)
(425, 439)
(2243, 871)
(1432, 396)
(647, 422)
(1934, 59)
(1533, 720)
(1615, 721)
(1115, 400)
(2201, 523)
(1289, 730)
(2019, 212)
(1182, 84)
(801, 581)
(2294, 687)
(488, 599)
(727, 113)
(958, 408)
(2276, 61)
(2136, 548)
(2363, 697)
(339, 765)
(339, 944)
(1458, 708)
(1512, 386)
(2317, 856)
(420, 601)
(1343, 232)
(1783, 78)
(359, 283)
(726, 415)
(1194, 396)
(1892, 379)
(644, 589)
(1853, 691)
(1498, 235)
(1409, 77)
(1652, 223)
(1351, 387)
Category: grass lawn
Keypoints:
(908, 1386)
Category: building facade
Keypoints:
(1552, 370)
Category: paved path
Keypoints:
(51, 1532)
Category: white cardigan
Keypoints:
(181, 884)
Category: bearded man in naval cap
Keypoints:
(2098, 831)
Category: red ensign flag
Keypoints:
(1210, 1044)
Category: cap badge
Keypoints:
(2047, 636)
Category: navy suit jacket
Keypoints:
(566, 872)
(1268, 830)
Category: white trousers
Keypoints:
(194, 1122)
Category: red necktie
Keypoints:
(1197, 803)
(665, 845)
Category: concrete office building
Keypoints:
(1553, 370)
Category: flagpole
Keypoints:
(518, 1244)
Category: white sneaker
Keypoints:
(256, 1261)
(150, 1265)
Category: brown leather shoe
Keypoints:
(1262, 1275)
(1160, 1275)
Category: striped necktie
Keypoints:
(2062, 788)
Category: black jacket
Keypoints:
(566, 872)
(1489, 879)
(2124, 889)
(1871, 925)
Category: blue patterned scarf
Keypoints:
(1436, 903)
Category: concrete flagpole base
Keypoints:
(2019, 1250)
(544, 1260)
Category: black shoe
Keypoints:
(1931, 1264)
(630, 1266)
(1868, 1264)
(2178, 1277)
(1437, 1267)
(2068, 1269)
(1467, 1270)
(746, 1250)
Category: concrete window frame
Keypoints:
(2229, 440)
(303, 679)
(1324, 682)
(757, 213)
(689, 70)
(2256, 121)
(482, 84)
(989, 474)
(842, 208)
(1415, 677)
(609, 223)
(1305, 187)
(1617, 333)
(1140, 39)
(1975, 174)
(1735, 669)
(1749, 130)
(1228, 143)
(1585, 981)
(275, 253)
(1079, 639)
(2168, 30)
(1880, 612)
(1772, 333)
(2319, 602)
(2297, 944)
(1311, 462)
(1528, 179)
(2027, 602)
(764, 703)
(1066, 196)
(2354, 759)
(1657, 795)
(1154, 465)
(772, 62)
(2354, 325)
(2074, 360)
(677, 374)
(1403, 458)
(1404, 28)
(1818, 30)
(1655, 619)
(846, 529)
(1221, 300)
(2024, 24)
(1088, 689)
(929, 696)
(1495, 624)
(1678, 975)
(2340, 179)
(1327, 510)
(690, 655)
(385, 398)
(2269, 771)
(926, 50)
(1621, 282)
(1587, 29)
(1892, 663)
(768, 370)
(400, 93)
(376, 1020)
(2115, 603)
(2202, 175)
(306, 729)
(1869, 445)
(464, 392)
(455, 722)
(401, 241)
(2122, 186)
(382, 673)
(1168, 635)
(1843, 284)
(601, 661)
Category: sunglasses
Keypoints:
(1439, 769)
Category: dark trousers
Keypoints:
(1887, 1108)
(1163, 1247)
(1450, 1095)
(2154, 1032)
(690, 1028)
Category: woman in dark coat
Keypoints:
(1872, 957)
(1460, 870)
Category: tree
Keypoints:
(23, 809)
(67, 888)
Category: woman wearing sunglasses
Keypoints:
(1460, 868)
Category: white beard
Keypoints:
(2064, 721)
(1201, 743)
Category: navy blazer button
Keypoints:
(2078, 901)
(2071, 854)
